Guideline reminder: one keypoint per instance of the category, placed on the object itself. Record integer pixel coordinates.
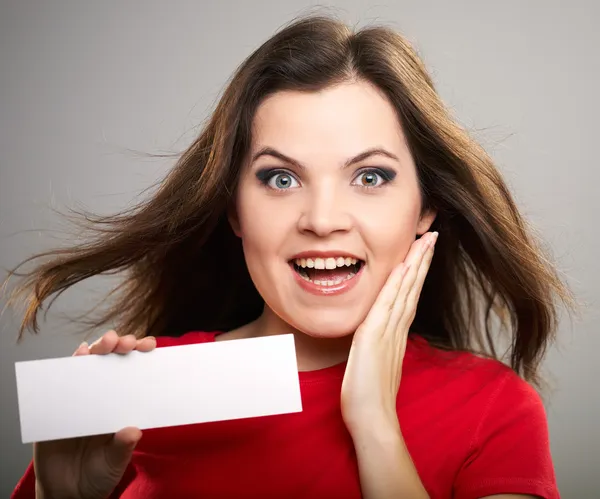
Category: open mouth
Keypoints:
(327, 271)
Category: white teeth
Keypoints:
(325, 263)
(329, 283)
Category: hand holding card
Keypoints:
(89, 467)
(79, 411)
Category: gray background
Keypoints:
(83, 82)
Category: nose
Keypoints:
(324, 213)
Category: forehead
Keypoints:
(339, 121)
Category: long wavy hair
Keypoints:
(183, 268)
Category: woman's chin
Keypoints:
(323, 327)
(324, 322)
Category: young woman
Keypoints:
(311, 204)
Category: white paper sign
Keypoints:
(170, 386)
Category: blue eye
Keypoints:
(277, 179)
(282, 181)
(373, 178)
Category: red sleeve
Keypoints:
(25, 489)
(510, 450)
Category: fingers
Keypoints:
(417, 257)
(146, 344)
(119, 450)
(106, 344)
(407, 298)
(378, 316)
(111, 342)
(125, 344)
(127, 437)
(415, 292)
(82, 349)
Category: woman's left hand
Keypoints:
(374, 368)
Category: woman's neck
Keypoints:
(312, 353)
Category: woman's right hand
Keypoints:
(89, 467)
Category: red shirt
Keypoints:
(473, 429)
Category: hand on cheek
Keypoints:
(374, 369)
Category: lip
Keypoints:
(326, 254)
(338, 289)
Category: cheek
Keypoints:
(262, 233)
(390, 231)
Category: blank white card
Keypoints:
(170, 386)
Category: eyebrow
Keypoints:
(375, 151)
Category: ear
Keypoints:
(426, 221)
(233, 219)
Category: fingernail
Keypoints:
(97, 342)
(434, 237)
(83, 344)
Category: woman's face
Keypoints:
(328, 204)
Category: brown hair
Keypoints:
(184, 268)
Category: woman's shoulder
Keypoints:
(473, 372)
(499, 418)
(189, 338)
